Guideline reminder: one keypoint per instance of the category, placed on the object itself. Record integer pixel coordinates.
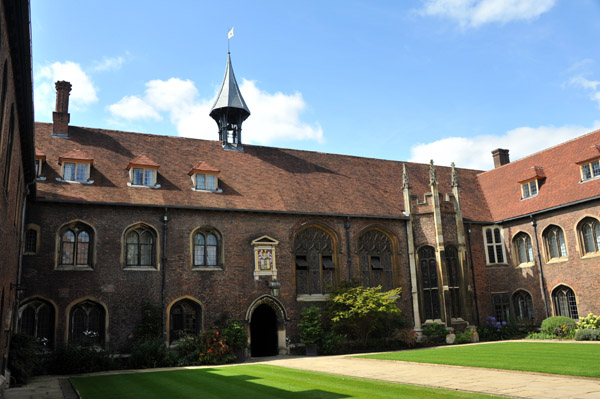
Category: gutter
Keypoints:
(529, 215)
(165, 228)
(542, 281)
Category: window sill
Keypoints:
(587, 180)
(312, 298)
(530, 197)
(78, 268)
(141, 268)
(562, 259)
(129, 184)
(525, 265)
(74, 181)
(207, 268)
(40, 178)
(29, 253)
(218, 190)
(496, 264)
(591, 255)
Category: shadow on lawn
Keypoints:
(190, 384)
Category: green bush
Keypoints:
(150, 353)
(463, 337)
(540, 335)
(406, 336)
(235, 335)
(560, 326)
(72, 359)
(591, 321)
(332, 343)
(434, 334)
(150, 325)
(494, 330)
(22, 357)
(588, 334)
(208, 347)
(311, 328)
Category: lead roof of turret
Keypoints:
(229, 95)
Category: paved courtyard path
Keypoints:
(513, 384)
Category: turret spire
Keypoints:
(230, 111)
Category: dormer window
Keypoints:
(40, 158)
(142, 172)
(205, 177)
(76, 167)
(590, 170)
(529, 189)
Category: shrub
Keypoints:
(588, 334)
(311, 329)
(560, 326)
(434, 334)
(234, 333)
(150, 325)
(72, 359)
(406, 336)
(540, 335)
(332, 343)
(22, 357)
(591, 321)
(494, 330)
(208, 347)
(463, 337)
(150, 353)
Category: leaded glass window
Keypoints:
(140, 247)
(494, 245)
(36, 319)
(315, 265)
(375, 253)
(524, 249)
(565, 303)
(429, 283)
(523, 305)
(185, 319)
(555, 242)
(75, 245)
(590, 235)
(206, 248)
(87, 323)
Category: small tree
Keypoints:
(311, 329)
(362, 309)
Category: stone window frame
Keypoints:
(80, 302)
(26, 247)
(431, 289)
(517, 306)
(205, 230)
(37, 303)
(495, 244)
(501, 306)
(78, 225)
(558, 232)
(156, 250)
(328, 261)
(374, 262)
(520, 239)
(560, 294)
(200, 308)
(594, 226)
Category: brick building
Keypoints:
(208, 227)
(17, 172)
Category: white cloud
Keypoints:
(109, 64)
(132, 107)
(591, 85)
(274, 116)
(474, 13)
(83, 92)
(475, 152)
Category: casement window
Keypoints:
(590, 170)
(87, 322)
(185, 319)
(77, 172)
(36, 319)
(140, 246)
(565, 303)
(143, 177)
(428, 284)
(494, 245)
(206, 182)
(375, 260)
(206, 248)
(554, 240)
(523, 306)
(314, 258)
(143, 172)
(31, 244)
(589, 235)
(76, 245)
(524, 249)
(529, 189)
(501, 306)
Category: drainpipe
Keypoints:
(473, 273)
(349, 261)
(542, 281)
(164, 274)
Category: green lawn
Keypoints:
(251, 381)
(544, 357)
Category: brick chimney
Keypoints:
(61, 117)
(500, 157)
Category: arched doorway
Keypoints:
(263, 331)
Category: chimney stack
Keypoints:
(500, 157)
(61, 117)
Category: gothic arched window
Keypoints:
(75, 245)
(523, 305)
(140, 243)
(524, 250)
(36, 318)
(375, 254)
(185, 319)
(315, 268)
(564, 302)
(554, 239)
(429, 283)
(87, 323)
(207, 248)
(589, 232)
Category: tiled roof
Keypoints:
(40, 154)
(203, 166)
(75, 155)
(260, 178)
(534, 172)
(142, 160)
(562, 184)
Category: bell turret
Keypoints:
(230, 111)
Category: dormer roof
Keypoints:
(203, 167)
(75, 155)
(229, 95)
(535, 172)
(40, 155)
(588, 153)
(143, 161)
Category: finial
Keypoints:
(454, 177)
(405, 183)
(432, 174)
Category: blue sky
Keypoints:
(448, 80)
